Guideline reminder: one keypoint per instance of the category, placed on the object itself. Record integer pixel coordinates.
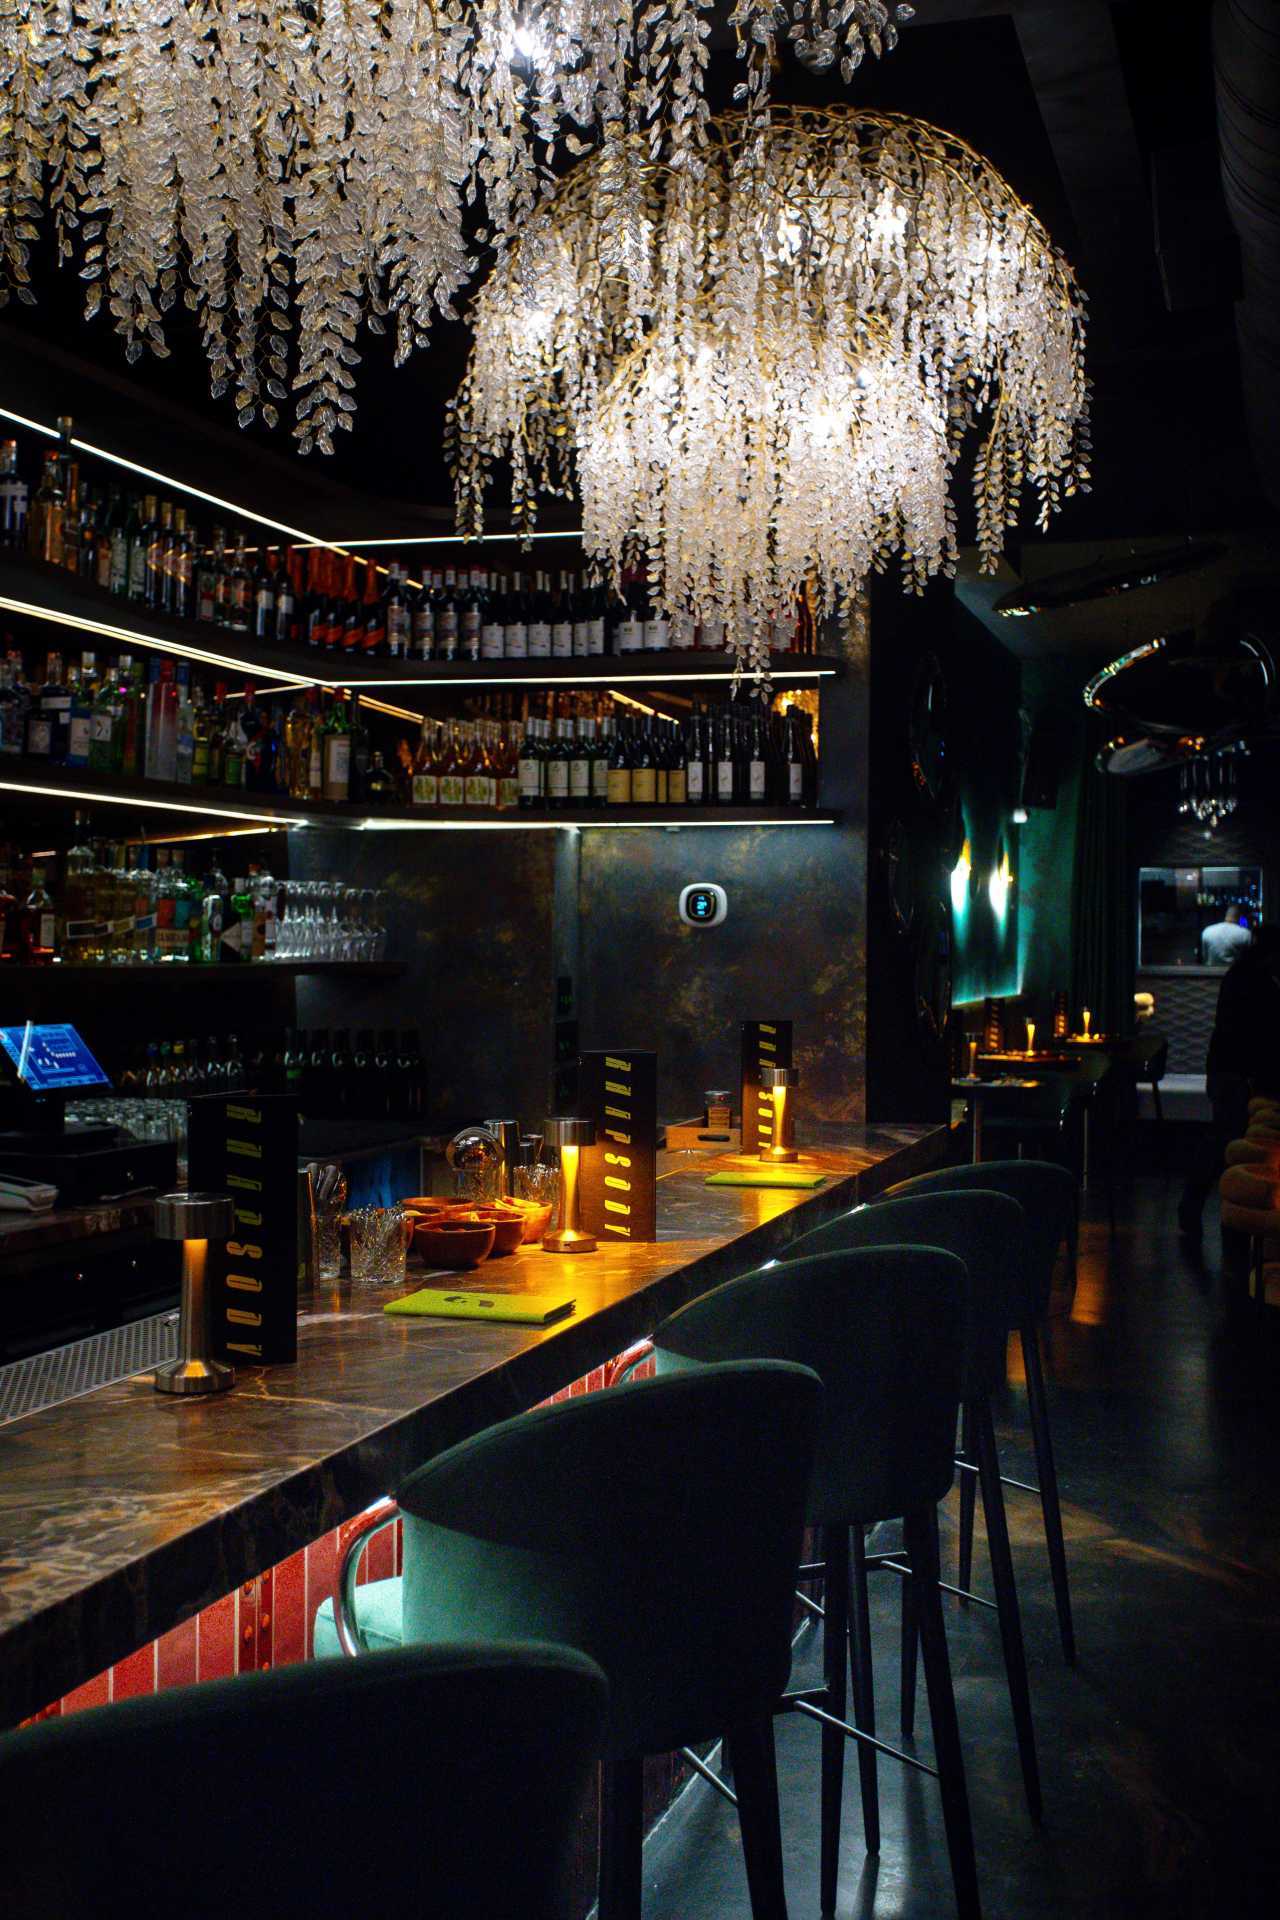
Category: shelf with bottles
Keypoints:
(117, 909)
(366, 1073)
(129, 567)
(164, 741)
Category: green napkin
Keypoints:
(456, 1303)
(766, 1177)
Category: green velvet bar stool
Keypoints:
(984, 1230)
(1049, 1199)
(434, 1782)
(884, 1331)
(656, 1527)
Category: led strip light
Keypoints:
(96, 797)
(130, 636)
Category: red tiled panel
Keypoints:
(322, 1576)
(94, 1693)
(289, 1630)
(135, 1675)
(266, 1623)
(176, 1656)
(217, 1640)
(247, 1627)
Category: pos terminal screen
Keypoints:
(50, 1059)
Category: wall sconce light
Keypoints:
(960, 879)
(570, 1136)
(1019, 816)
(998, 886)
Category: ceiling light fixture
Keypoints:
(661, 357)
(293, 174)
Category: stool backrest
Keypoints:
(883, 1331)
(984, 1230)
(1048, 1196)
(656, 1526)
(434, 1782)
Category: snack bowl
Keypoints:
(537, 1218)
(454, 1243)
(508, 1227)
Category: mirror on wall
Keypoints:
(1196, 916)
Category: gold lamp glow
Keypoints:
(960, 879)
(570, 1136)
(780, 1084)
(998, 886)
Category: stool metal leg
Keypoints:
(968, 1502)
(835, 1600)
(910, 1646)
(756, 1775)
(621, 1838)
(921, 1540)
(864, 1697)
(1015, 1659)
(1047, 1474)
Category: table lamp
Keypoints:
(195, 1219)
(570, 1136)
(781, 1082)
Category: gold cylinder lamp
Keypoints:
(781, 1083)
(570, 1135)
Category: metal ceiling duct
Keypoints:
(1246, 58)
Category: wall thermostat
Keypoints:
(703, 904)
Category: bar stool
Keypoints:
(438, 1781)
(984, 1231)
(1048, 1197)
(657, 1528)
(884, 1330)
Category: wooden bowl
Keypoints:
(508, 1228)
(428, 1203)
(536, 1221)
(454, 1243)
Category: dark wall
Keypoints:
(792, 946)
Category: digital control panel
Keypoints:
(703, 904)
(51, 1059)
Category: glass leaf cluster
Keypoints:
(760, 372)
(295, 170)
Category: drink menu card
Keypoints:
(618, 1180)
(765, 1043)
(248, 1147)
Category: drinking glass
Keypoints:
(377, 1245)
(330, 1194)
(539, 1184)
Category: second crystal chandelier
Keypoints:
(759, 373)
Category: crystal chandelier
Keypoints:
(293, 169)
(1208, 785)
(764, 375)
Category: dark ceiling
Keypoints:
(1080, 105)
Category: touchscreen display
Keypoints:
(47, 1059)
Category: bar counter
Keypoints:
(124, 1512)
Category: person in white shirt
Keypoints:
(1221, 942)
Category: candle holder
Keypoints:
(570, 1136)
(195, 1219)
(781, 1083)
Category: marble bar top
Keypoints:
(125, 1511)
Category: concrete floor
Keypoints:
(1160, 1751)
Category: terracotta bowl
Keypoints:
(427, 1203)
(508, 1227)
(454, 1243)
(537, 1218)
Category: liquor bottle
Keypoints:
(529, 765)
(582, 762)
(601, 751)
(447, 619)
(540, 620)
(180, 577)
(114, 574)
(629, 627)
(657, 628)
(725, 786)
(285, 614)
(315, 613)
(184, 724)
(644, 773)
(264, 597)
(337, 754)
(471, 613)
(252, 724)
(809, 759)
(37, 928)
(396, 615)
(13, 497)
(80, 713)
(380, 787)
(684, 630)
(757, 765)
(14, 704)
(515, 622)
(495, 616)
(557, 765)
(373, 619)
(619, 787)
(142, 533)
(237, 591)
(208, 570)
(423, 621)
(711, 635)
(159, 542)
(44, 521)
(55, 709)
(297, 746)
(677, 770)
(509, 770)
(425, 787)
(92, 513)
(562, 620)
